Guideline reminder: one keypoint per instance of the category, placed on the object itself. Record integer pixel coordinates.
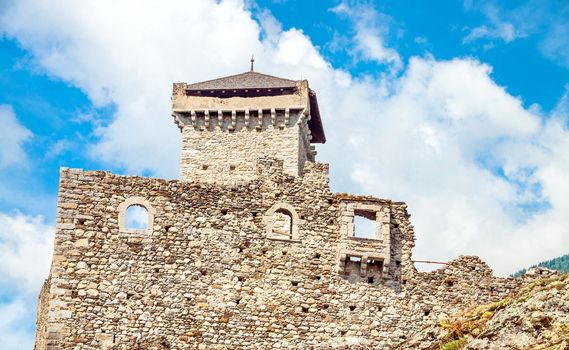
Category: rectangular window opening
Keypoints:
(365, 225)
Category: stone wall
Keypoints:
(41, 322)
(216, 154)
(207, 274)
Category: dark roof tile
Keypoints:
(248, 80)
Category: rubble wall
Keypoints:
(205, 275)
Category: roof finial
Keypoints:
(252, 62)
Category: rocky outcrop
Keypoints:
(535, 317)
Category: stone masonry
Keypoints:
(249, 250)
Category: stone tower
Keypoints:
(229, 123)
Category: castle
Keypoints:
(248, 250)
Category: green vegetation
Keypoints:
(454, 344)
(560, 264)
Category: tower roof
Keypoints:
(258, 84)
(247, 80)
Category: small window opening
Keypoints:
(364, 224)
(282, 224)
(352, 266)
(370, 280)
(136, 217)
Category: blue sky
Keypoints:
(459, 108)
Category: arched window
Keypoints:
(136, 217)
(282, 222)
(136, 214)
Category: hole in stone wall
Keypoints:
(404, 281)
(167, 228)
(254, 214)
(241, 278)
(294, 283)
(397, 263)
(427, 312)
(129, 295)
(364, 224)
(156, 270)
(370, 280)
(237, 301)
(379, 308)
(317, 255)
(136, 217)
(352, 307)
(224, 211)
(74, 294)
(284, 252)
(304, 308)
(449, 283)
(325, 306)
(204, 167)
(81, 221)
(352, 265)
(203, 272)
(240, 250)
(317, 278)
(232, 167)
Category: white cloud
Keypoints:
(26, 245)
(14, 318)
(371, 33)
(466, 156)
(497, 28)
(13, 135)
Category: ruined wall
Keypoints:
(41, 322)
(206, 275)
